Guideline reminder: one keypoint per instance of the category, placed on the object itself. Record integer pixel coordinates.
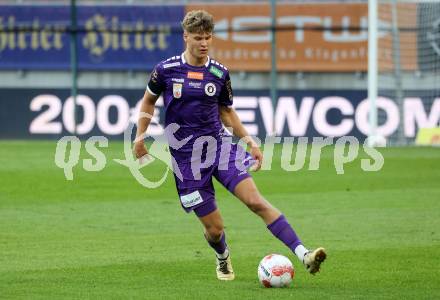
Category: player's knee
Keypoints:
(214, 232)
(257, 204)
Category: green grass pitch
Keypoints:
(104, 236)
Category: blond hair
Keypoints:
(198, 21)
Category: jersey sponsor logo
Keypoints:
(210, 89)
(216, 72)
(191, 199)
(177, 90)
(196, 85)
(174, 64)
(178, 80)
(195, 75)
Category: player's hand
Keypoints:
(139, 149)
(258, 156)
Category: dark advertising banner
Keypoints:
(49, 113)
(112, 37)
(137, 37)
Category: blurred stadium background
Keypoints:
(316, 86)
(82, 69)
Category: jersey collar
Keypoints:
(184, 61)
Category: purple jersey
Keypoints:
(192, 96)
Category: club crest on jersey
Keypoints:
(195, 75)
(177, 90)
(210, 89)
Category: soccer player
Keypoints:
(197, 96)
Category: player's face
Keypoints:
(198, 44)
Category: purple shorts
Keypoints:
(198, 194)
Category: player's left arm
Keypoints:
(230, 119)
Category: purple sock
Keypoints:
(220, 246)
(284, 232)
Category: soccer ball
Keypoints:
(275, 270)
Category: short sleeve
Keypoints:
(226, 96)
(156, 85)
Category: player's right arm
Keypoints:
(145, 115)
(155, 87)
